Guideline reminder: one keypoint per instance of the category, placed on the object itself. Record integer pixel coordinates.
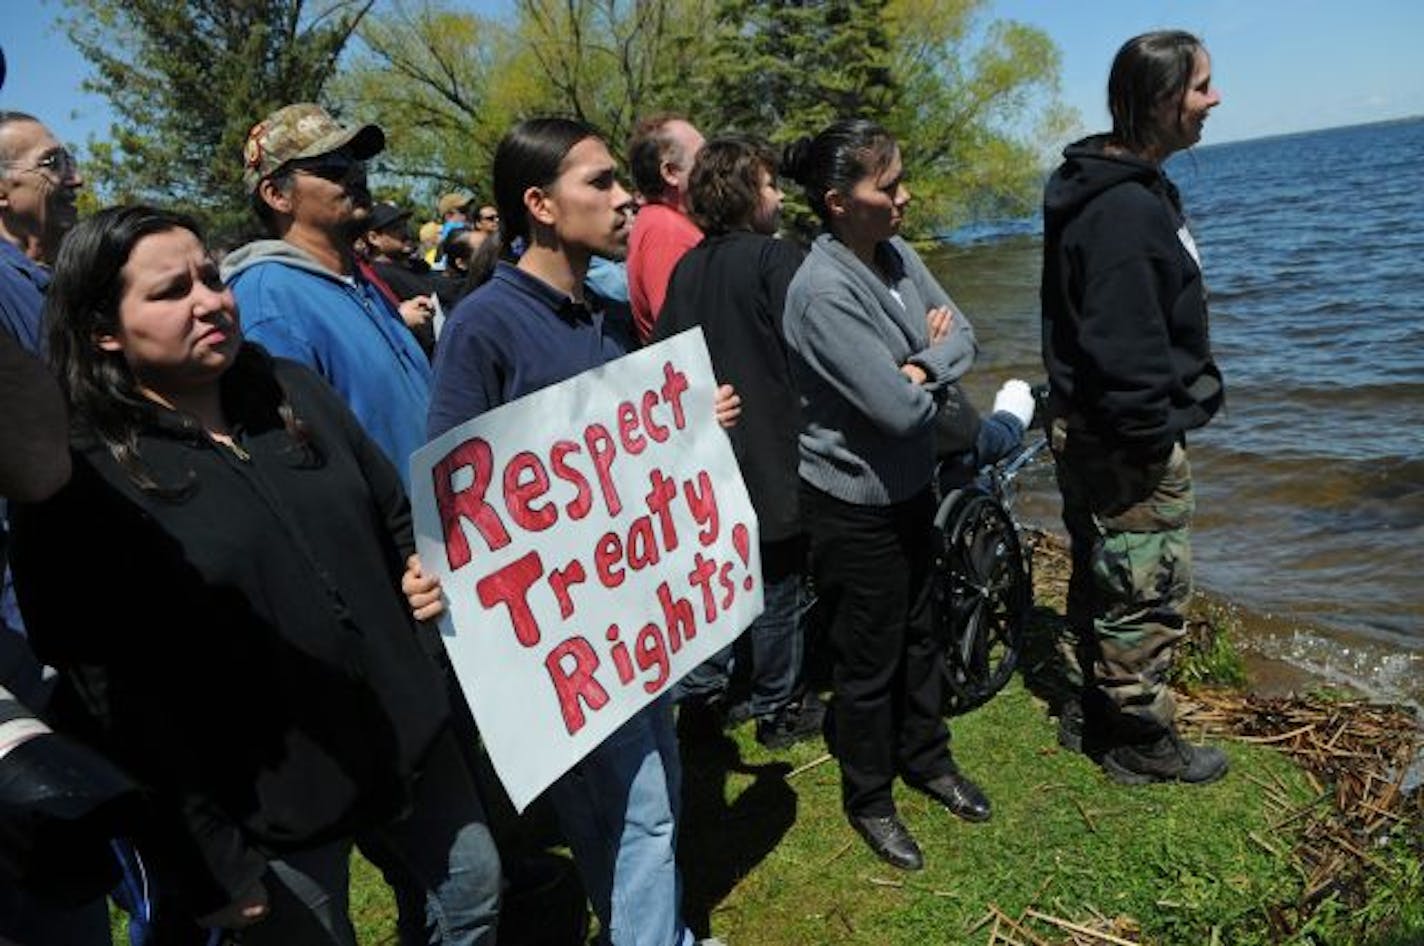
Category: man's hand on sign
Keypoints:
(422, 591)
(727, 406)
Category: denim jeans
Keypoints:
(618, 808)
(775, 646)
(440, 860)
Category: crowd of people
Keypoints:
(210, 538)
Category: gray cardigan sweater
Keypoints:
(867, 435)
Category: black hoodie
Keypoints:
(242, 649)
(1125, 336)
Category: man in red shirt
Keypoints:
(660, 156)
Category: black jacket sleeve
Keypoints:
(34, 432)
(75, 556)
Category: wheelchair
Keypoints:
(983, 580)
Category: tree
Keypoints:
(966, 100)
(969, 98)
(610, 62)
(977, 101)
(786, 68)
(447, 84)
(188, 80)
(432, 77)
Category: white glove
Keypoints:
(1017, 399)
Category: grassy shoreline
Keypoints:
(1068, 858)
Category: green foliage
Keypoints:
(446, 84)
(1207, 657)
(978, 105)
(424, 73)
(186, 82)
(972, 102)
(786, 68)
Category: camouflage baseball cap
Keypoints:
(303, 130)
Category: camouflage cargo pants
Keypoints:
(1129, 525)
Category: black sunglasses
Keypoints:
(337, 166)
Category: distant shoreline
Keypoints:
(1276, 136)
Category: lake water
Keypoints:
(1311, 481)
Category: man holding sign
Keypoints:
(585, 568)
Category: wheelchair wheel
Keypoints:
(983, 596)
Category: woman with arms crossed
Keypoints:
(874, 340)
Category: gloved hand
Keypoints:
(1016, 398)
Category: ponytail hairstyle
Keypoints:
(836, 158)
(530, 155)
(1149, 71)
(82, 305)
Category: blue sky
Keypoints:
(1281, 65)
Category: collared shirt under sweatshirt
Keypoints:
(514, 335)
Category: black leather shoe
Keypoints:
(890, 840)
(961, 796)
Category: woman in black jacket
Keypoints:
(220, 588)
(733, 286)
(1130, 370)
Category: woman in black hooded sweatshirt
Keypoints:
(220, 586)
(1130, 368)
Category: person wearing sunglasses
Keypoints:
(39, 182)
(486, 219)
(302, 293)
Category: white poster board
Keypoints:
(594, 541)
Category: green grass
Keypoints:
(1178, 860)
(768, 859)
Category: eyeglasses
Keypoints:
(58, 163)
(489, 218)
(337, 166)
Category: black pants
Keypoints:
(872, 567)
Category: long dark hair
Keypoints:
(1148, 71)
(530, 155)
(82, 304)
(841, 154)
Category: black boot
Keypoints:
(1167, 758)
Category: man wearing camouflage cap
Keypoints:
(301, 294)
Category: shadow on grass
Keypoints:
(720, 842)
(1041, 666)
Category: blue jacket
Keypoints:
(344, 329)
(23, 283)
(22, 287)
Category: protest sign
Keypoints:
(595, 542)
